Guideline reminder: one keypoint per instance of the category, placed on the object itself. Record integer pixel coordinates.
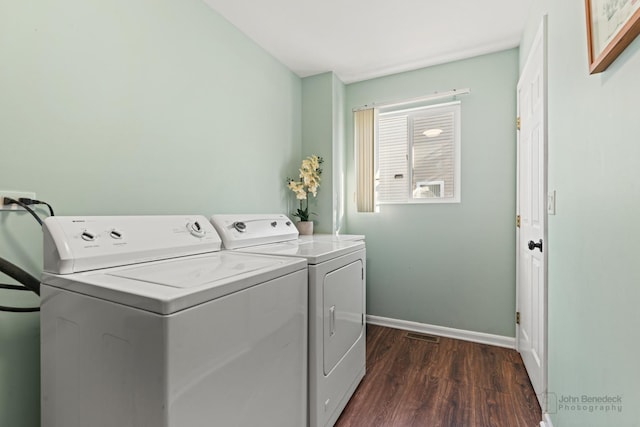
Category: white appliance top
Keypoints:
(239, 231)
(332, 237)
(161, 264)
(315, 252)
(275, 234)
(168, 286)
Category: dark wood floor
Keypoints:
(449, 384)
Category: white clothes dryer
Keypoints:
(145, 322)
(332, 238)
(337, 277)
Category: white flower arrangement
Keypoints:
(310, 172)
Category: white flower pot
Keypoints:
(305, 228)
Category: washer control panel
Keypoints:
(73, 244)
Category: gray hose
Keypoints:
(20, 275)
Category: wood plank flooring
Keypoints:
(449, 384)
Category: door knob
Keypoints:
(533, 245)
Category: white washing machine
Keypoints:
(146, 323)
(337, 276)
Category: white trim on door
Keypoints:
(546, 421)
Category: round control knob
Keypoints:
(240, 226)
(274, 224)
(115, 234)
(288, 223)
(196, 229)
(88, 236)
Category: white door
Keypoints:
(531, 332)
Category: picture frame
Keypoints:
(611, 26)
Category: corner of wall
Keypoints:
(339, 154)
(317, 138)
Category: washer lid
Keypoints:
(314, 251)
(192, 272)
(169, 286)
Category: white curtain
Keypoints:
(364, 125)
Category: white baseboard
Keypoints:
(460, 334)
(546, 421)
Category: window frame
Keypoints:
(456, 107)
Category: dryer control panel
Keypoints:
(241, 231)
(74, 244)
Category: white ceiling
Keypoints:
(363, 39)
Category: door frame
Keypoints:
(540, 37)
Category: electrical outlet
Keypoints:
(14, 195)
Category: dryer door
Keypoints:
(343, 291)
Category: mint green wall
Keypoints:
(130, 107)
(594, 273)
(323, 134)
(450, 265)
(317, 138)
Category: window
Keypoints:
(418, 155)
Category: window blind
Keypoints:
(414, 165)
(364, 127)
(393, 179)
